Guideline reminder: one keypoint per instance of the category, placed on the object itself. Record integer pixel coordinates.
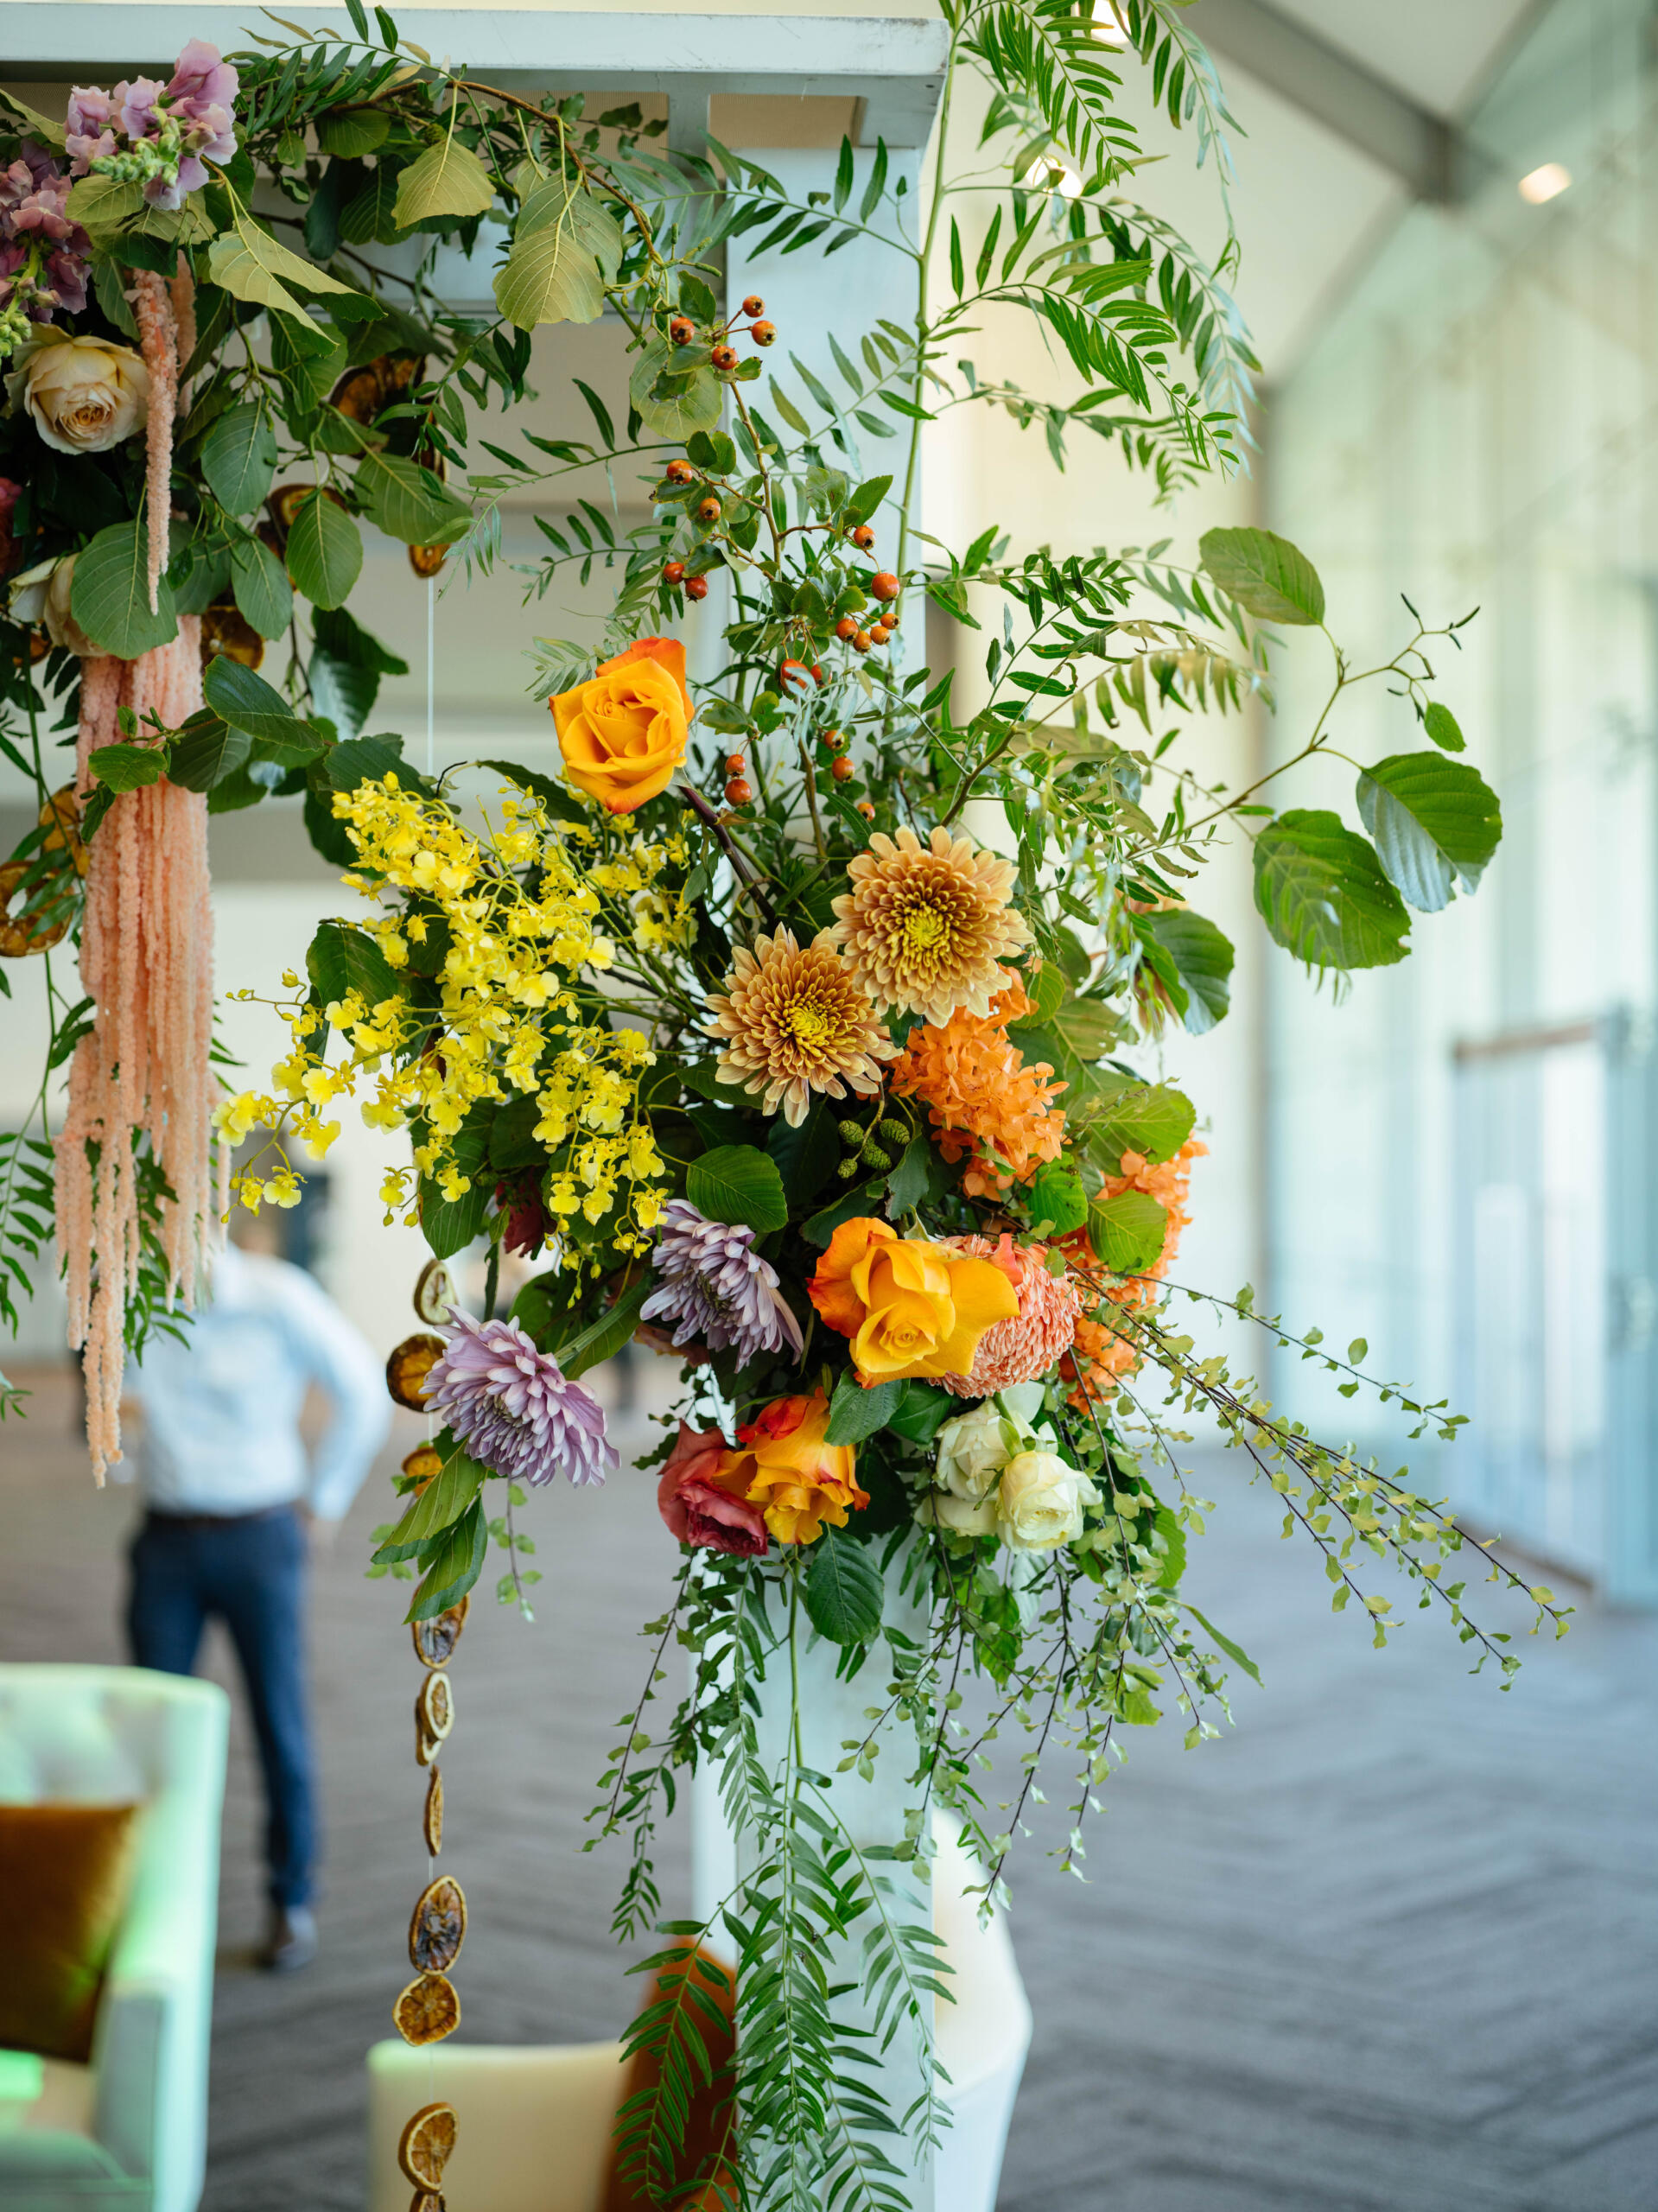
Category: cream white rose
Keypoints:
(1041, 1501)
(42, 595)
(84, 394)
(973, 1448)
(961, 1515)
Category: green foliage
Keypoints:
(843, 1590)
(1320, 890)
(325, 551)
(1127, 1232)
(1434, 822)
(1199, 970)
(110, 595)
(737, 1184)
(856, 1412)
(1265, 574)
(238, 457)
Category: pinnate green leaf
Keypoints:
(843, 1590)
(238, 458)
(325, 551)
(855, 1413)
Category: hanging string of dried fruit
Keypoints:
(429, 2008)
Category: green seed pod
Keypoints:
(894, 1132)
(849, 1168)
(876, 1158)
(851, 1132)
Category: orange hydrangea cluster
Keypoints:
(982, 1099)
(1098, 1352)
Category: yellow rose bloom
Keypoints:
(625, 731)
(911, 1309)
(787, 1469)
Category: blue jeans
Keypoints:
(251, 1573)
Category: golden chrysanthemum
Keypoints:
(925, 926)
(794, 1022)
(981, 1097)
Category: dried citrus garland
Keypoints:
(428, 2008)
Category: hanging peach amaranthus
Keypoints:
(146, 961)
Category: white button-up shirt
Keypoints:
(222, 1409)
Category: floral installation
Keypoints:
(811, 1025)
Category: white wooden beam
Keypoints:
(893, 65)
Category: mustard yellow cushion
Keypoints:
(64, 1872)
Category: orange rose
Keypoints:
(625, 731)
(797, 1481)
(910, 1308)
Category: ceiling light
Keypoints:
(1545, 183)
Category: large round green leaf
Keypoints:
(1435, 821)
(1269, 577)
(1320, 890)
(109, 595)
(1203, 960)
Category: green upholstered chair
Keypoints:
(130, 2128)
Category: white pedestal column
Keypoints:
(872, 1813)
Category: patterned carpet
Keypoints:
(1392, 1946)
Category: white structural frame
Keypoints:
(892, 66)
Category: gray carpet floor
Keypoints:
(1391, 1945)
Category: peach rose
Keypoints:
(699, 1508)
(625, 731)
(84, 394)
(910, 1308)
(797, 1481)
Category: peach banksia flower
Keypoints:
(981, 1097)
(793, 1022)
(925, 926)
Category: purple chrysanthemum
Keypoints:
(716, 1287)
(513, 1407)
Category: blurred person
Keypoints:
(233, 1514)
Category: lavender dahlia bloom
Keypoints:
(716, 1286)
(512, 1406)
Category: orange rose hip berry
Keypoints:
(753, 305)
(673, 575)
(846, 629)
(724, 357)
(738, 793)
(708, 510)
(863, 538)
(764, 333)
(696, 587)
(842, 769)
(884, 584)
(679, 472)
(682, 330)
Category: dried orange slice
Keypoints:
(433, 1292)
(422, 1463)
(434, 1716)
(428, 2010)
(432, 1820)
(438, 1928)
(425, 2144)
(408, 1368)
(435, 1640)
